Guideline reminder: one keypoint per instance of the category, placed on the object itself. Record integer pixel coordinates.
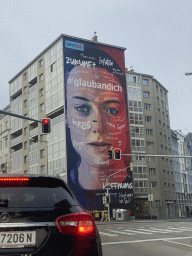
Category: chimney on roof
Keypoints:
(126, 69)
(131, 69)
(95, 38)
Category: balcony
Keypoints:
(33, 132)
(17, 153)
(33, 147)
(17, 140)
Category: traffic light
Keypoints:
(46, 125)
(110, 154)
(117, 154)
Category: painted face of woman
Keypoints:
(96, 114)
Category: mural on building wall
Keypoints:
(96, 121)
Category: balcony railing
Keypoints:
(17, 153)
(33, 146)
(33, 132)
(17, 140)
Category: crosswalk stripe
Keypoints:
(154, 231)
(120, 232)
(141, 232)
(106, 234)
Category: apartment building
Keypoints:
(37, 92)
(181, 146)
(154, 182)
(5, 163)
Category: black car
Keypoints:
(40, 216)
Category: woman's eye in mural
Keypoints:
(112, 111)
(83, 109)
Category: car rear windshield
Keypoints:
(36, 194)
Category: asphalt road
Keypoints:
(147, 237)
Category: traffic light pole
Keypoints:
(19, 116)
(107, 186)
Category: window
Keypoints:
(153, 184)
(41, 78)
(24, 76)
(165, 95)
(25, 89)
(158, 112)
(166, 106)
(163, 115)
(149, 131)
(25, 103)
(151, 159)
(41, 92)
(53, 67)
(6, 141)
(134, 79)
(41, 137)
(42, 153)
(161, 92)
(152, 170)
(158, 100)
(25, 145)
(157, 89)
(1, 128)
(41, 63)
(150, 144)
(160, 135)
(6, 158)
(147, 106)
(165, 138)
(146, 94)
(145, 82)
(161, 148)
(42, 107)
(165, 185)
(1, 145)
(167, 128)
(25, 159)
(25, 131)
(43, 169)
(6, 125)
(160, 123)
(162, 104)
(168, 173)
(148, 119)
(164, 172)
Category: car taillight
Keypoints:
(80, 223)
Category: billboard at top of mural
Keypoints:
(96, 121)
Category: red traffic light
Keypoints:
(45, 121)
(117, 154)
(46, 125)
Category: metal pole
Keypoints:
(108, 205)
(19, 116)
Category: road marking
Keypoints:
(179, 243)
(167, 230)
(106, 234)
(154, 231)
(121, 232)
(148, 240)
(141, 232)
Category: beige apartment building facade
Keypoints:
(37, 92)
(5, 162)
(154, 182)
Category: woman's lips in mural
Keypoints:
(99, 146)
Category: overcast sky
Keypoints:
(156, 33)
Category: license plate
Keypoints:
(16, 239)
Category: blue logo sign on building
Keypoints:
(74, 45)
